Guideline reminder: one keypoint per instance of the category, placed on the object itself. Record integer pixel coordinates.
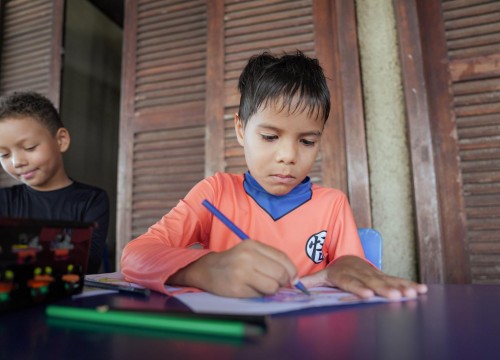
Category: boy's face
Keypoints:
(280, 148)
(31, 154)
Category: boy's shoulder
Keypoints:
(85, 187)
(323, 192)
(12, 191)
(222, 178)
(86, 190)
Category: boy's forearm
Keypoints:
(196, 274)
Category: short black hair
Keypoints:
(33, 105)
(267, 78)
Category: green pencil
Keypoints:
(170, 322)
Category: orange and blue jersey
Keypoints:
(312, 224)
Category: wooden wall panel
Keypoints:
(431, 247)
(460, 53)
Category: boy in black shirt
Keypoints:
(32, 142)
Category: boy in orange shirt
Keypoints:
(299, 228)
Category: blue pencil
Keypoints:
(243, 236)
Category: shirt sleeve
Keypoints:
(345, 232)
(167, 246)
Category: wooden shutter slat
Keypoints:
(473, 10)
(267, 18)
(481, 154)
(302, 21)
(477, 120)
(475, 31)
(157, 58)
(470, 22)
(164, 9)
(456, 4)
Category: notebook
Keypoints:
(41, 260)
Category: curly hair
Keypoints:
(32, 105)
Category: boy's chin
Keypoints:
(278, 190)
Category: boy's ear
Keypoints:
(63, 139)
(239, 129)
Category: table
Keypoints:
(450, 322)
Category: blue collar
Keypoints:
(278, 206)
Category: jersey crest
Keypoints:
(314, 247)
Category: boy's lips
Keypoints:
(283, 179)
(28, 175)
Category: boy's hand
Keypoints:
(246, 270)
(352, 274)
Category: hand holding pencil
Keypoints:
(296, 282)
(249, 269)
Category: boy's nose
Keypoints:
(286, 153)
(18, 160)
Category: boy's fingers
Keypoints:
(357, 287)
(276, 257)
(353, 275)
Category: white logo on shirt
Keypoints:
(314, 247)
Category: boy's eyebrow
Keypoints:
(306, 133)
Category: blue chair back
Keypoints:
(371, 240)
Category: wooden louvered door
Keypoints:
(162, 132)
(473, 44)
(30, 50)
(460, 110)
(182, 63)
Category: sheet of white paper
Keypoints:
(284, 301)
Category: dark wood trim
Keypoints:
(344, 154)
(125, 155)
(2, 12)
(454, 243)
(421, 147)
(333, 162)
(353, 115)
(54, 86)
(214, 111)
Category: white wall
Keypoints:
(389, 159)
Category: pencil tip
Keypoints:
(301, 287)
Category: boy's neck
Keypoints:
(58, 183)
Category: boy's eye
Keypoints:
(269, 137)
(30, 148)
(308, 142)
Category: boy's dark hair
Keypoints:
(32, 105)
(283, 80)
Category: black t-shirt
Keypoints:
(76, 202)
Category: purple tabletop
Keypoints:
(450, 322)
